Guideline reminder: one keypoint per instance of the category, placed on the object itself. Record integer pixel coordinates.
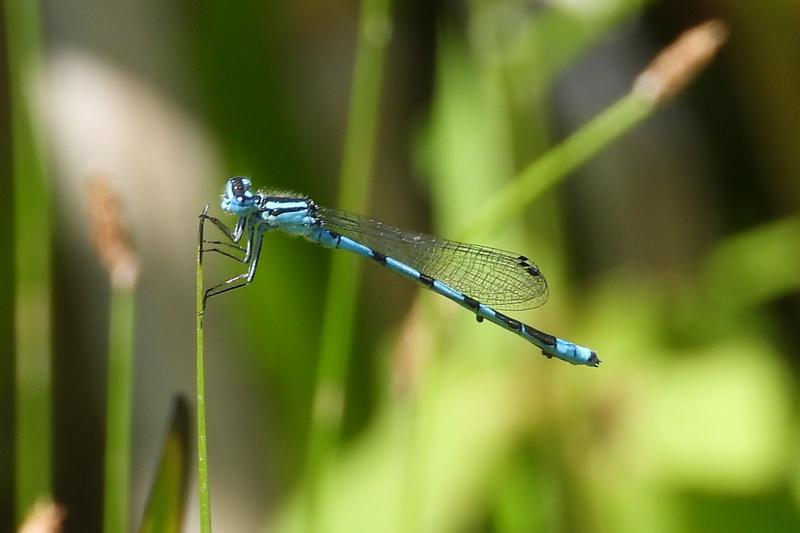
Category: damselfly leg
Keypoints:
(247, 251)
(251, 252)
(235, 234)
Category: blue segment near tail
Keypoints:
(481, 279)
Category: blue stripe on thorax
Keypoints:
(291, 215)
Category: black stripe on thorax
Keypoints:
(281, 210)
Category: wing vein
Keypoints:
(495, 277)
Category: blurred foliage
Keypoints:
(673, 253)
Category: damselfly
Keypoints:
(478, 278)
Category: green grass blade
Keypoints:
(204, 490)
(165, 505)
(340, 301)
(118, 411)
(114, 246)
(32, 252)
(7, 388)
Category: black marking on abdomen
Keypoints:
(379, 257)
(426, 280)
(472, 303)
(516, 325)
(546, 338)
(533, 271)
(336, 236)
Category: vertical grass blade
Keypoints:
(32, 251)
(114, 245)
(337, 331)
(118, 411)
(202, 450)
(165, 505)
(7, 388)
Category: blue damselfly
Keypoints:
(478, 278)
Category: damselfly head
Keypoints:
(238, 197)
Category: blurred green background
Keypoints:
(674, 253)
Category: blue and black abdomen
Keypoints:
(550, 345)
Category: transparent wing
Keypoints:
(501, 279)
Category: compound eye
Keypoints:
(240, 189)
